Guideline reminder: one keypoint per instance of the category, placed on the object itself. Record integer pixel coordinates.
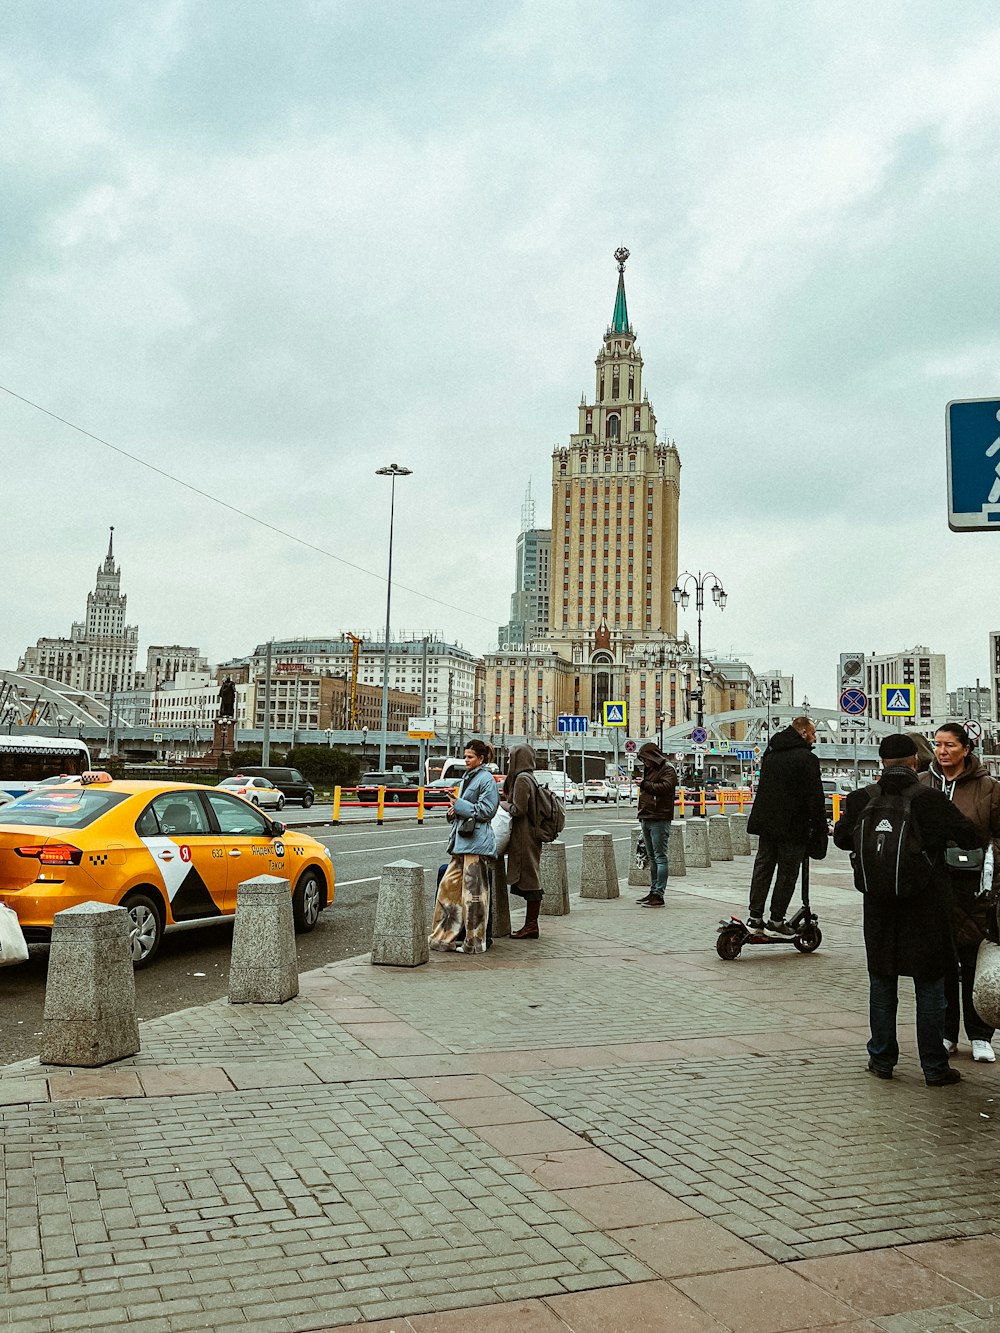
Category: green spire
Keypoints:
(619, 320)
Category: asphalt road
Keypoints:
(193, 965)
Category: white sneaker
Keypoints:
(950, 1046)
(982, 1050)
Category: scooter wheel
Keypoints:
(809, 940)
(729, 944)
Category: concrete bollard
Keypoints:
(675, 851)
(400, 935)
(599, 874)
(738, 834)
(501, 900)
(696, 851)
(264, 968)
(986, 991)
(89, 1017)
(554, 880)
(720, 843)
(637, 877)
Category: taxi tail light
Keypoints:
(53, 854)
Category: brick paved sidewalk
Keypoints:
(609, 1129)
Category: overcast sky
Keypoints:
(269, 247)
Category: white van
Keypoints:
(559, 784)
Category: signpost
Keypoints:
(699, 735)
(853, 702)
(572, 722)
(899, 700)
(974, 729)
(972, 443)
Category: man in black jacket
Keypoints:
(657, 789)
(910, 936)
(789, 818)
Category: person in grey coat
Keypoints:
(463, 902)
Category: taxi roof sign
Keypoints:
(899, 700)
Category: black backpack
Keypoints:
(551, 815)
(889, 858)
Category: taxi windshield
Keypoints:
(60, 807)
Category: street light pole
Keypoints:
(393, 471)
(681, 598)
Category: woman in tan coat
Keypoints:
(524, 852)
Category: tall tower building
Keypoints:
(529, 602)
(99, 655)
(615, 494)
(612, 622)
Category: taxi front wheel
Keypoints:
(307, 901)
(145, 927)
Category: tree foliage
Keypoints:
(321, 764)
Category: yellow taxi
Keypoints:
(168, 852)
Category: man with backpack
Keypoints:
(896, 831)
(537, 816)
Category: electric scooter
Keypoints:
(734, 933)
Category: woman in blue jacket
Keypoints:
(463, 902)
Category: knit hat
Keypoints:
(897, 746)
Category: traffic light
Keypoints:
(776, 691)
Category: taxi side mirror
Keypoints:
(277, 828)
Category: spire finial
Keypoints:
(619, 320)
(109, 559)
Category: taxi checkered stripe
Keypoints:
(98, 858)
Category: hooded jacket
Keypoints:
(520, 796)
(658, 784)
(977, 795)
(788, 805)
(911, 937)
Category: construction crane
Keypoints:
(352, 718)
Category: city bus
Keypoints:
(25, 761)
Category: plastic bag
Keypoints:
(640, 855)
(500, 824)
(12, 946)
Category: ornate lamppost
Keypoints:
(682, 597)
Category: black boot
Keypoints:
(529, 931)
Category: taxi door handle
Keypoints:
(235, 851)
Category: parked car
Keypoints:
(440, 791)
(168, 852)
(399, 787)
(596, 789)
(289, 781)
(258, 791)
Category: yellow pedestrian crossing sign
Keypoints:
(615, 713)
(899, 700)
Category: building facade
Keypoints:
(529, 602)
(971, 703)
(444, 681)
(916, 666)
(99, 654)
(613, 564)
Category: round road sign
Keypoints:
(853, 702)
(631, 747)
(699, 735)
(975, 729)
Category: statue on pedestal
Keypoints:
(227, 700)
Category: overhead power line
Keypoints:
(243, 513)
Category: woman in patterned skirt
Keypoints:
(462, 909)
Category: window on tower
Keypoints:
(614, 425)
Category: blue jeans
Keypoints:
(656, 836)
(883, 1047)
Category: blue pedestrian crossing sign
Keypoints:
(614, 713)
(972, 435)
(899, 700)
